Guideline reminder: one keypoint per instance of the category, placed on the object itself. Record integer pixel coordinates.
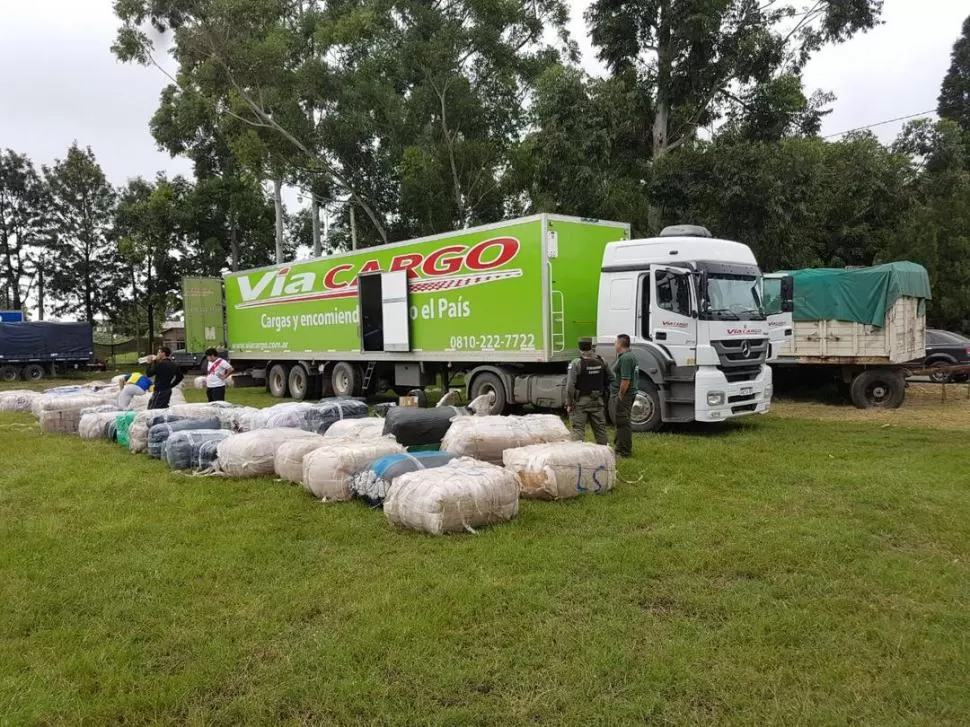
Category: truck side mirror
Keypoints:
(705, 304)
(787, 294)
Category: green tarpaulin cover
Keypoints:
(862, 295)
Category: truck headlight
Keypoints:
(715, 398)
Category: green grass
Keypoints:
(779, 571)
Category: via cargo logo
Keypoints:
(448, 268)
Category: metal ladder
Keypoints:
(368, 375)
(558, 316)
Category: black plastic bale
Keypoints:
(159, 434)
(413, 427)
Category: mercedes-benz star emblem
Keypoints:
(745, 349)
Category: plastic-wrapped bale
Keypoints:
(184, 450)
(384, 407)
(288, 463)
(562, 470)
(252, 454)
(327, 412)
(199, 382)
(238, 419)
(18, 401)
(487, 437)
(311, 417)
(368, 428)
(111, 430)
(460, 496)
(159, 434)
(411, 426)
(94, 425)
(372, 484)
(145, 420)
(329, 471)
(123, 424)
(63, 413)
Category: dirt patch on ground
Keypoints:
(926, 406)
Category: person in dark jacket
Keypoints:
(167, 376)
(586, 383)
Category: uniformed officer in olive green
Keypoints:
(623, 390)
(586, 387)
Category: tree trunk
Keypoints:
(278, 201)
(233, 243)
(353, 228)
(661, 119)
(315, 220)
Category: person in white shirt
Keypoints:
(217, 372)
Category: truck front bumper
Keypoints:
(718, 400)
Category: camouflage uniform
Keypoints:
(588, 379)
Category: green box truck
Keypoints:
(504, 306)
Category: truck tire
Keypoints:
(489, 383)
(646, 415)
(299, 383)
(878, 388)
(34, 372)
(277, 381)
(345, 380)
(9, 374)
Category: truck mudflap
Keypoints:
(717, 400)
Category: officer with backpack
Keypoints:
(589, 377)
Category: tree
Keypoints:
(86, 277)
(697, 57)
(954, 100)
(152, 226)
(22, 228)
(936, 230)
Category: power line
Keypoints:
(881, 123)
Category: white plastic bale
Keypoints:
(562, 470)
(486, 437)
(199, 382)
(253, 454)
(462, 495)
(288, 463)
(62, 414)
(279, 416)
(18, 401)
(369, 428)
(94, 425)
(328, 472)
(239, 418)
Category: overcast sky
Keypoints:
(60, 82)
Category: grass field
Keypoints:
(784, 570)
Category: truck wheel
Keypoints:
(34, 372)
(345, 380)
(940, 377)
(299, 383)
(646, 415)
(278, 381)
(875, 388)
(489, 383)
(9, 373)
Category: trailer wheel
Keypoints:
(489, 383)
(875, 388)
(278, 381)
(34, 372)
(9, 373)
(646, 415)
(299, 383)
(345, 380)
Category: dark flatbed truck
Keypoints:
(33, 350)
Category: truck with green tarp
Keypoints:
(862, 325)
(504, 306)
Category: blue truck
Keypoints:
(31, 350)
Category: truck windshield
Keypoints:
(734, 297)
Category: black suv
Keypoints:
(946, 349)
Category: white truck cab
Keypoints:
(692, 307)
